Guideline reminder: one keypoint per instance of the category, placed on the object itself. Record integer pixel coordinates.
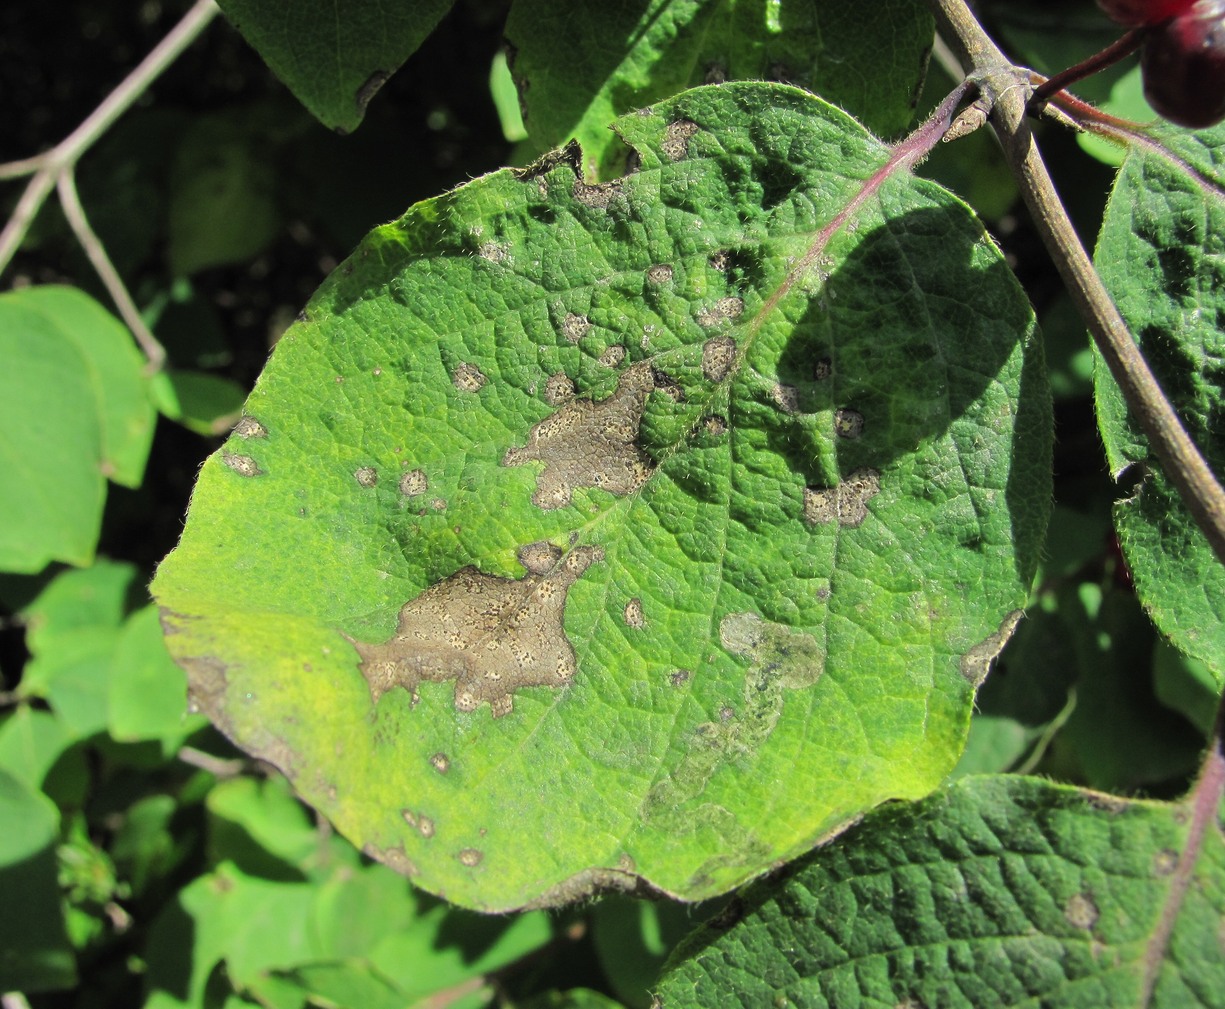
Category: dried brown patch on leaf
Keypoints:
(718, 356)
(613, 356)
(822, 368)
(977, 662)
(558, 389)
(660, 273)
(249, 427)
(492, 635)
(598, 196)
(493, 252)
(847, 503)
(786, 397)
(1081, 911)
(540, 557)
(724, 308)
(677, 137)
(243, 465)
(574, 327)
(471, 856)
(715, 425)
(468, 378)
(366, 476)
(633, 615)
(441, 762)
(590, 444)
(414, 483)
(848, 423)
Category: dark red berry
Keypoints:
(1138, 13)
(1183, 64)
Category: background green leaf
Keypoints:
(334, 57)
(578, 74)
(74, 410)
(1159, 253)
(830, 535)
(995, 891)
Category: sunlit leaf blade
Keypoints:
(997, 891)
(577, 74)
(704, 548)
(334, 57)
(74, 410)
(1160, 255)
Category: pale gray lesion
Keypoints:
(590, 444)
(846, 503)
(490, 634)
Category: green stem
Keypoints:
(1008, 88)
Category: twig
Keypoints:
(218, 767)
(1114, 52)
(1170, 443)
(54, 167)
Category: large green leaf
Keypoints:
(1160, 255)
(576, 74)
(74, 410)
(334, 56)
(996, 891)
(705, 514)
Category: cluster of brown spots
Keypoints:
(243, 465)
(558, 389)
(589, 444)
(367, 476)
(493, 252)
(633, 614)
(846, 503)
(414, 483)
(419, 822)
(718, 356)
(540, 557)
(468, 378)
(660, 273)
(249, 427)
(724, 308)
(492, 635)
(441, 762)
(848, 423)
(715, 425)
(613, 356)
(680, 677)
(574, 327)
(786, 397)
(720, 260)
(822, 368)
(471, 856)
(598, 196)
(676, 139)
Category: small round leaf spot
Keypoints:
(676, 139)
(1081, 912)
(613, 356)
(848, 423)
(660, 273)
(249, 427)
(680, 677)
(441, 762)
(786, 397)
(468, 378)
(414, 483)
(575, 327)
(426, 826)
(822, 368)
(1165, 862)
(715, 425)
(367, 476)
(718, 355)
(633, 615)
(243, 465)
(720, 260)
(493, 252)
(471, 856)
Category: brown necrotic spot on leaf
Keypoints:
(786, 397)
(715, 425)
(720, 260)
(822, 368)
(633, 614)
(599, 196)
(589, 444)
(613, 356)
(370, 87)
(493, 252)
(847, 503)
(414, 483)
(558, 389)
(848, 423)
(394, 858)
(680, 677)
(243, 465)
(676, 139)
(574, 327)
(718, 356)
(491, 635)
(1080, 911)
(540, 557)
(471, 856)
(976, 663)
(660, 273)
(441, 762)
(1165, 862)
(367, 476)
(468, 378)
(418, 821)
(724, 308)
(249, 427)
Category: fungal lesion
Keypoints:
(590, 444)
(490, 634)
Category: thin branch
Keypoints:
(1170, 443)
(1124, 46)
(54, 167)
(75, 213)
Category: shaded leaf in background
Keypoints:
(1160, 254)
(204, 403)
(74, 410)
(577, 74)
(35, 954)
(334, 57)
(993, 892)
(789, 525)
(633, 939)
